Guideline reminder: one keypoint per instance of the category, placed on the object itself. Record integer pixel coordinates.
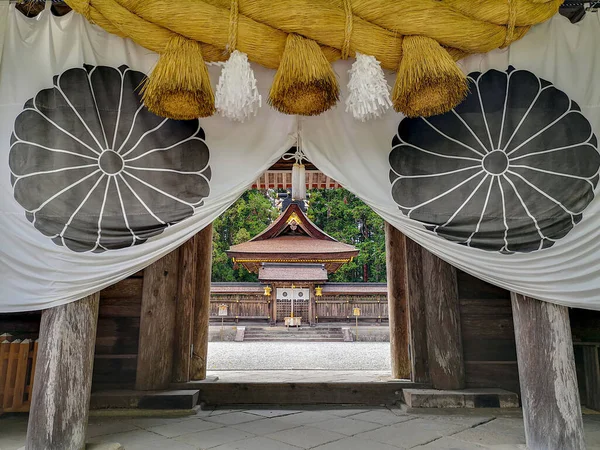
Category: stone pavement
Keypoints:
(301, 376)
(327, 428)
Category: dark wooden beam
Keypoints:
(396, 263)
(551, 408)
(184, 316)
(202, 303)
(157, 324)
(63, 373)
(442, 310)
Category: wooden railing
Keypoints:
(341, 307)
(17, 369)
(241, 307)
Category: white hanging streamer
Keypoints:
(368, 90)
(237, 97)
(298, 169)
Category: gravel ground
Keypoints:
(299, 355)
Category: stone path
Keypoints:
(299, 355)
(301, 376)
(333, 428)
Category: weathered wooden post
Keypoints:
(202, 303)
(442, 309)
(184, 316)
(157, 324)
(551, 407)
(396, 266)
(63, 373)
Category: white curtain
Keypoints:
(534, 230)
(56, 246)
(93, 188)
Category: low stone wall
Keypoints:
(371, 334)
(216, 335)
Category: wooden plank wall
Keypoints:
(585, 327)
(488, 334)
(117, 337)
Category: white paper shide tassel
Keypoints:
(237, 97)
(368, 91)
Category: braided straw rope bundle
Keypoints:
(420, 39)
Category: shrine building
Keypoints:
(293, 259)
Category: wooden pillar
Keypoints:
(396, 264)
(551, 408)
(63, 373)
(202, 303)
(157, 324)
(184, 316)
(417, 318)
(442, 310)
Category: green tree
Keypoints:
(348, 219)
(246, 218)
(336, 211)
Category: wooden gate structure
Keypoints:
(147, 324)
(448, 330)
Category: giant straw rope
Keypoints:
(420, 39)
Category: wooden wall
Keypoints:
(585, 327)
(117, 337)
(488, 334)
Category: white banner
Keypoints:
(93, 187)
(505, 186)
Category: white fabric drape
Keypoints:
(358, 156)
(46, 260)
(36, 273)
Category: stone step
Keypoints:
(301, 393)
(306, 334)
(171, 399)
(293, 330)
(292, 333)
(276, 339)
(466, 398)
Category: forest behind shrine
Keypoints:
(336, 211)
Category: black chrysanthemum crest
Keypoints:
(95, 170)
(510, 169)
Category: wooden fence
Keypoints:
(341, 308)
(254, 307)
(17, 369)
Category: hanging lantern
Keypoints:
(319, 291)
(267, 292)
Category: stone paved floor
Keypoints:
(333, 428)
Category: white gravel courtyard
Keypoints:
(299, 356)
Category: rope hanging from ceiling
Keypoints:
(419, 39)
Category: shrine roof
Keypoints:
(294, 237)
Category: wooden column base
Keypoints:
(551, 407)
(63, 376)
